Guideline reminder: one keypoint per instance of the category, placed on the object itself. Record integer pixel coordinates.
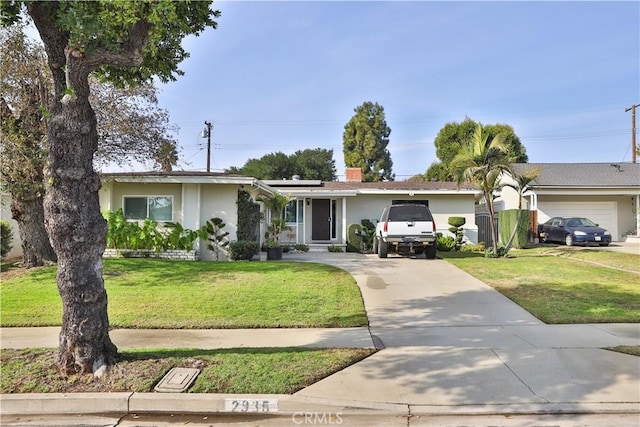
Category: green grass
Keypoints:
(243, 371)
(633, 350)
(145, 293)
(563, 285)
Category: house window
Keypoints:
(293, 211)
(158, 208)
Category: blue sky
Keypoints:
(285, 76)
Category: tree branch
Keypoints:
(131, 54)
(55, 40)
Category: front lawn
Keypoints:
(563, 285)
(147, 293)
(240, 370)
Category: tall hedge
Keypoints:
(507, 220)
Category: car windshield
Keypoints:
(580, 222)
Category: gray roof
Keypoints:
(583, 174)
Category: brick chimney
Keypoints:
(354, 175)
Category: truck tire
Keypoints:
(430, 251)
(383, 248)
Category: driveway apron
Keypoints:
(450, 339)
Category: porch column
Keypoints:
(305, 211)
(344, 220)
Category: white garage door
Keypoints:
(604, 214)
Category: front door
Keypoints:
(321, 219)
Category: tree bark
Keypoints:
(76, 227)
(73, 220)
(36, 248)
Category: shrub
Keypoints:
(368, 232)
(243, 250)
(216, 236)
(471, 247)
(445, 243)
(456, 223)
(301, 247)
(502, 251)
(334, 248)
(354, 238)
(6, 238)
(123, 234)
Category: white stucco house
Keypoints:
(318, 215)
(606, 193)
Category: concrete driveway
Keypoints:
(450, 340)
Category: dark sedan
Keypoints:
(573, 231)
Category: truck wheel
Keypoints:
(375, 245)
(430, 251)
(383, 247)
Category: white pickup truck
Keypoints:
(404, 229)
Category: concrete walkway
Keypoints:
(449, 346)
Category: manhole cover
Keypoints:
(177, 380)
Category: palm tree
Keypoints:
(482, 162)
(166, 156)
(521, 184)
(276, 203)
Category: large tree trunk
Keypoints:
(36, 248)
(77, 228)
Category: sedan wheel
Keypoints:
(568, 240)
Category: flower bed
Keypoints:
(174, 254)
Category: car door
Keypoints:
(557, 232)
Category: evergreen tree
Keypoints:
(365, 141)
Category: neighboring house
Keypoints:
(606, 193)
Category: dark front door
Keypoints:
(321, 219)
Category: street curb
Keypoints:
(206, 403)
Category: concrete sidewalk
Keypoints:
(449, 346)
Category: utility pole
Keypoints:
(634, 147)
(207, 131)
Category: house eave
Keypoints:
(187, 179)
(562, 190)
(318, 193)
(411, 192)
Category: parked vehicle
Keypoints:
(404, 229)
(573, 231)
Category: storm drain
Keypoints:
(177, 380)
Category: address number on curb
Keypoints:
(251, 405)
